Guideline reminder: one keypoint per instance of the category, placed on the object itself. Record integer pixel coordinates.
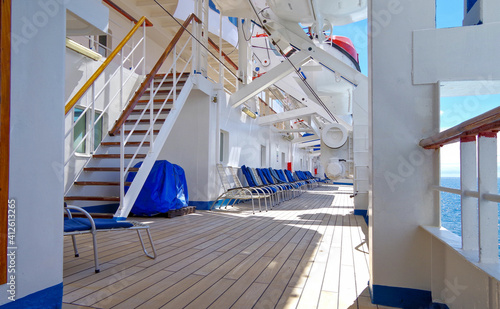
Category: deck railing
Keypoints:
(478, 206)
(100, 89)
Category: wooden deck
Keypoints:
(309, 252)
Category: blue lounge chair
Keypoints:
(255, 184)
(280, 177)
(88, 225)
(285, 188)
(297, 181)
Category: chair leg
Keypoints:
(150, 242)
(75, 249)
(96, 258)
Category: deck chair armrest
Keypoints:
(79, 209)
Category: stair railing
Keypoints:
(216, 74)
(126, 132)
(98, 89)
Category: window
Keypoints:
(80, 130)
(224, 146)
(98, 130)
(263, 153)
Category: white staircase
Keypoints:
(145, 131)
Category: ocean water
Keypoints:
(450, 207)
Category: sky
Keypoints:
(454, 110)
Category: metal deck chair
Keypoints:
(236, 193)
(262, 183)
(307, 176)
(297, 181)
(285, 188)
(280, 190)
(282, 179)
(253, 184)
(89, 225)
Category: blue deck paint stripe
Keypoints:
(363, 213)
(204, 205)
(401, 297)
(48, 298)
(342, 183)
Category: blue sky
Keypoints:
(454, 110)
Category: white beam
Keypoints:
(272, 76)
(469, 204)
(446, 48)
(293, 130)
(488, 210)
(306, 139)
(309, 144)
(280, 117)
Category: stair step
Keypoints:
(108, 169)
(127, 144)
(156, 101)
(100, 183)
(93, 198)
(144, 121)
(140, 132)
(162, 92)
(155, 111)
(117, 156)
(170, 75)
(170, 82)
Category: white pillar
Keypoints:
(488, 212)
(244, 50)
(468, 183)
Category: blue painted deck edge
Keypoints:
(363, 213)
(48, 298)
(202, 205)
(343, 183)
(403, 298)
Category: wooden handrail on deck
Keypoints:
(216, 47)
(145, 84)
(103, 66)
(487, 122)
(124, 13)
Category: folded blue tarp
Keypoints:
(165, 189)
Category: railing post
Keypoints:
(488, 211)
(468, 182)
(221, 68)
(122, 139)
(174, 72)
(151, 111)
(144, 48)
(92, 120)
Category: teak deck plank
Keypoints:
(308, 252)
